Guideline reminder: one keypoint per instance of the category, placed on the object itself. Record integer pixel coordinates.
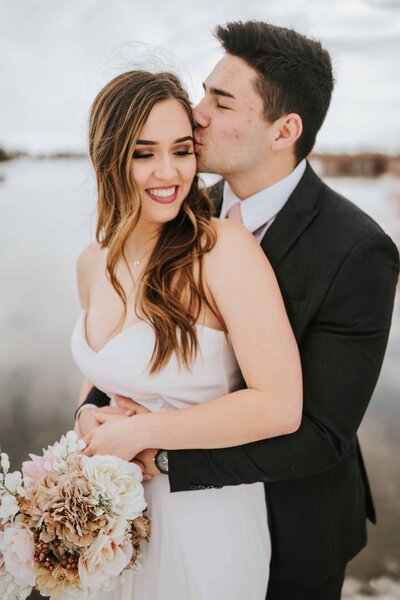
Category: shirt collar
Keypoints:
(265, 204)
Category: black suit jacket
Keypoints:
(337, 271)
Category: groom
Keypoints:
(337, 271)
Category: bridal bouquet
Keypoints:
(70, 524)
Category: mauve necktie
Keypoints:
(234, 213)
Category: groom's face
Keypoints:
(232, 134)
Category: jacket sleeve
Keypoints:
(341, 353)
(95, 396)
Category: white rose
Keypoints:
(17, 548)
(10, 589)
(117, 483)
(8, 506)
(103, 560)
(13, 481)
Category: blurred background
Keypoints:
(54, 58)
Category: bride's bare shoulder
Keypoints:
(89, 258)
(86, 265)
(235, 252)
(232, 235)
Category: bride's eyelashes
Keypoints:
(139, 154)
(142, 154)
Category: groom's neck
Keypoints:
(251, 181)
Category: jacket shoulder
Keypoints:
(345, 217)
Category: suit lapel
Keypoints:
(298, 212)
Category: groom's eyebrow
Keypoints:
(218, 92)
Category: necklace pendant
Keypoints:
(136, 263)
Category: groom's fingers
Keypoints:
(129, 404)
(117, 410)
(146, 477)
(103, 417)
(123, 401)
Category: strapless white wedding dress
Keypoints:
(210, 544)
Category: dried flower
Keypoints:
(54, 583)
(64, 506)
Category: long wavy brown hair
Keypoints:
(171, 291)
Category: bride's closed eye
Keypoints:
(183, 153)
(139, 154)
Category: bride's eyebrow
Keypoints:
(187, 138)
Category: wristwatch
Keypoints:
(161, 460)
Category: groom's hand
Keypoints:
(87, 420)
(128, 404)
(125, 406)
(145, 460)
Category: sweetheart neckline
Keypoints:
(127, 329)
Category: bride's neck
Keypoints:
(142, 241)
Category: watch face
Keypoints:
(162, 461)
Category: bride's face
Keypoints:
(164, 164)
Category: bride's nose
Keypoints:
(165, 169)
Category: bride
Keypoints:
(177, 307)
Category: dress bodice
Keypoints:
(122, 367)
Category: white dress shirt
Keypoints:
(259, 211)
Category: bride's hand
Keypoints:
(118, 435)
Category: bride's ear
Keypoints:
(288, 129)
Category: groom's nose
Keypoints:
(200, 114)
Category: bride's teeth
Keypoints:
(163, 193)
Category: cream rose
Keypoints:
(17, 548)
(10, 589)
(106, 558)
(117, 483)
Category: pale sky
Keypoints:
(55, 56)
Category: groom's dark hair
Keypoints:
(294, 73)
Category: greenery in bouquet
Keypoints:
(70, 524)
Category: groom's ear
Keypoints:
(287, 130)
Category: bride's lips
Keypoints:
(164, 195)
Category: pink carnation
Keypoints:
(33, 470)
